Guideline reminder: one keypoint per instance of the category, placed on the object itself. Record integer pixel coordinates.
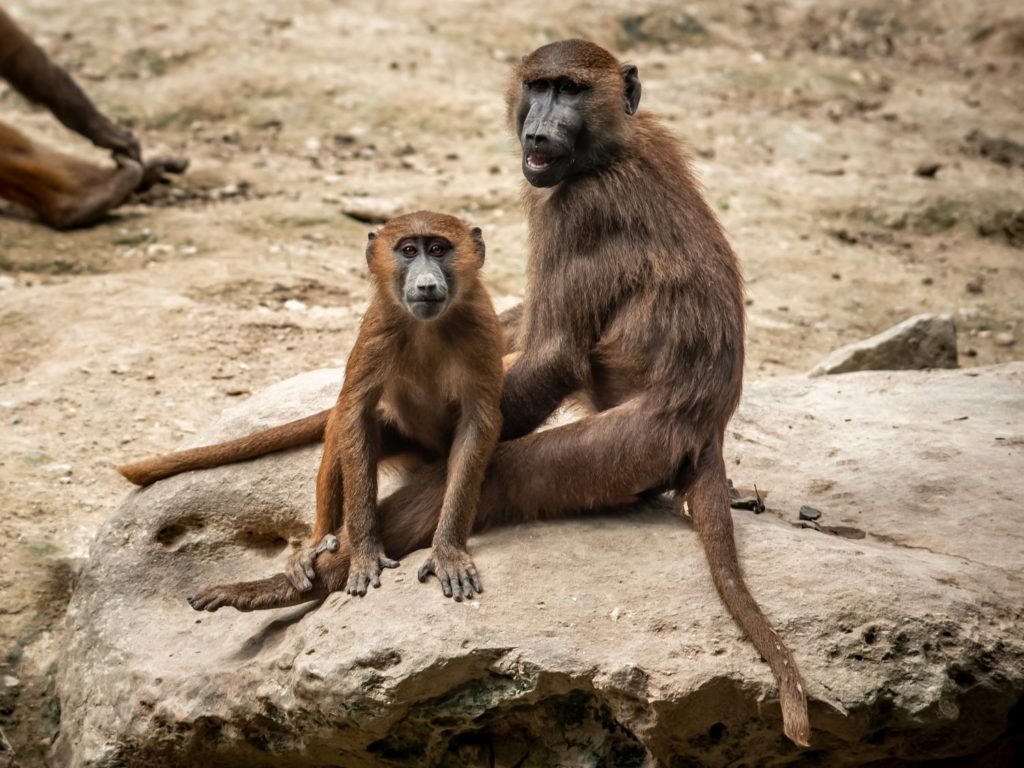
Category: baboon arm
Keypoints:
(27, 67)
(329, 482)
(535, 386)
(475, 439)
(359, 449)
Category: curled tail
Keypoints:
(709, 506)
(291, 435)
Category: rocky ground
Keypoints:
(852, 152)
(601, 641)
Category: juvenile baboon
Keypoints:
(424, 376)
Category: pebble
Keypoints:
(809, 513)
(294, 305)
(1005, 339)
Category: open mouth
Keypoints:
(537, 161)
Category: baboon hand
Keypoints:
(155, 170)
(365, 570)
(456, 571)
(299, 570)
(109, 135)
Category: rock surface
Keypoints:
(922, 341)
(599, 641)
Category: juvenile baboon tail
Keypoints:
(708, 498)
(291, 435)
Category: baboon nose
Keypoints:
(427, 285)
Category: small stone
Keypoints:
(927, 170)
(809, 513)
(975, 285)
(922, 341)
(1005, 339)
(371, 210)
(294, 305)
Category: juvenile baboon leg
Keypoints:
(708, 500)
(402, 532)
(330, 499)
(62, 192)
(277, 591)
(65, 192)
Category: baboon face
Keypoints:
(570, 117)
(421, 256)
(425, 279)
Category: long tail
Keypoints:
(709, 506)
(291, 435)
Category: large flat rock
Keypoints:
(598, 641)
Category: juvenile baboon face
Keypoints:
(425, 274)
(422, 256)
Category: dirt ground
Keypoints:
(810, 123)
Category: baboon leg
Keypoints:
(321, 565)
(402, 532)
(602, 460)
(61, 191)
(708, 499)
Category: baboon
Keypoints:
(634, 298)
(62, 191)
(424, 376)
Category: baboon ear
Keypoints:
(631, 81)
(478, 241)
(369, 246)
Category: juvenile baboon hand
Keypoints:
(299, 570)
(455, 569)
(365, 570)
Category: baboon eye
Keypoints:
(571, 88)
(409, 250)
(538, 85)
(436, 249)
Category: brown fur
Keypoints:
(62, 191)
(634, 298)
(432, 387)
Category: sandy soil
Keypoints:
(806, 122)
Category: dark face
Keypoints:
(549, 123)
(553, 129)
(424, 280)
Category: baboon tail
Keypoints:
(291, 435)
